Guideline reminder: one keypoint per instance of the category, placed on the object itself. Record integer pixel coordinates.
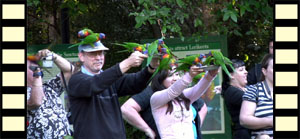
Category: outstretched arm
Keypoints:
(134, 83)
(162, 97)
(64, 65)
(197, 91)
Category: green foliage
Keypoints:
(245, 22)
(32, 2)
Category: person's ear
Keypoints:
(264, 71)
(81, 57)
(232, 77)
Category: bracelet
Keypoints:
(37, 85)
(54, 58)
(151, 67)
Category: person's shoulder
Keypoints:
(252, 89)
(258, 65)
(231, 90)
(147, 92)
(77, 76)
(254, 86)
(79, 73)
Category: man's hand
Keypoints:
(154, 64)
(134, 60)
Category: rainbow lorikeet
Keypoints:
(84, 33)
(39, 62)
(149, 48)
(198, 77)
(131, 47)
(188, 61)
(218, 59)
(163, 48)
(88, 37)
(166, 61)
(153, 49)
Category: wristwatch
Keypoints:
(151, 67)
(38, 73)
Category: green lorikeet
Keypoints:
(198, 77)
(131, 47)
(218, 59)
(167, 59)
(88, 37)
(188, 61)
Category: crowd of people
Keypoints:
(168, 108)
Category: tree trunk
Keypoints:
(65, 28)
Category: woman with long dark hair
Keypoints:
(232, 92)
(171, 101)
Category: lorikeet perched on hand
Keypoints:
(88, 37)
(38, 61)
(155, 48)
(188, 61)
(131, 47)
(167, 61)
(218, 59)
(152, 50)
(167, 57)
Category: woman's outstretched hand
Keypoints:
(213, 73)
(195, 70)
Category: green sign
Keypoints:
(61, 49)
